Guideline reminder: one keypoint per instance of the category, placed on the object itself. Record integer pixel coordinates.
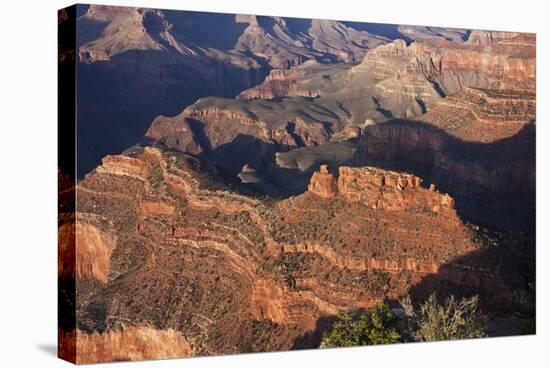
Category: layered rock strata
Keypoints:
(478, 145)
(379, 188)
(132, 343)
(406, 80)
(216, 272)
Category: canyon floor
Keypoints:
(238, 187)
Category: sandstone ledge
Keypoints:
(379, 188)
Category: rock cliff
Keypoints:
(280, 82)
(323, 184)
(379, 188)
(406, 80)
(477, 145)
(132, 343)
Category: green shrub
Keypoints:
(373, 327)
(450, 320)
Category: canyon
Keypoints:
(305, 107)
(135, 64)
(240, 179)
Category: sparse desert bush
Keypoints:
(449, 320)
(376, 326)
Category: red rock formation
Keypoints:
(167, 239)
(275, 303)
(391, 190)
(429, 151)
(176, 134)
(379, 188)
(452, 66)
(477, 145)
(84, 251)
(131, 343)
(279, 82)
(358, 263)
(323, 184)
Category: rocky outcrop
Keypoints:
(270, 301)
(378, 188)
(390, 81)
(279, 82)
(323, 184)
(84, 251)
(346, 134)
(174, 134)
(391, 190)
(131, 343)
(125, 166)
(451, 67)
